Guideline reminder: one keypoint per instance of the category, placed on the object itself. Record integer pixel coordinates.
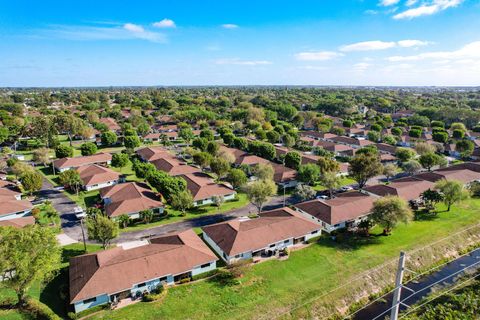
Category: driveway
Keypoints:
(65, 207)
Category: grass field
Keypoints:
(270, 287)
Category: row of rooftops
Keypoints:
(118, 269)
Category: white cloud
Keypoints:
(315, 68)
(165, 23)
(427, 9)
(387, 3)
(133, 27)
(127, 31)
(240, 62)
(469, 51)
(382, 45)
(412, 43)
(410, 3)
(361, 66)
(368, 46)
(317, 55)
(229, 26)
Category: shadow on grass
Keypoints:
(70, 253)
(426, 216)
(55, 293)
(349, 241)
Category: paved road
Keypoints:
(71, 225)
(65, 206)
(276, 202)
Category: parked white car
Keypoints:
(79, 213)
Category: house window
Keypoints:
(286, 241)
(225, 255)
(272, 245)
(141, 285)
(316, 231)
(89, 300)
(206, 265)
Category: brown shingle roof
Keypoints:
(131, 197)
(408, 188)
(118, 269)
(12, 205)
(153, 153)
(282, 173)
(18, 222)
(242, 157)
(173, 166)
(240, 235)
(82, 161)
(203, 187)
(462, 175)
(110, 123)
(95, 174)
(345, 207)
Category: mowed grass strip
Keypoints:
(273, 287)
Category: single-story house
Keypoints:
(318, 135)
(242, 157)
(95, 177)
(345, 210)
(463, 175)
(130, 198)
(283, 176)
(354, 142)
(408, 188)
(111, 124)
(114, 274)
(245, 238)
(152, 153)
(173, 166)
(204, 189)
(65, 164)
(18, 222)
(386, 148)
(12, 207)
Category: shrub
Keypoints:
(185, 280)
(88, 148)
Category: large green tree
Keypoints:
(363, 167)
(452, 191)
(259, 192)
(102, 229)
(30, 255)
(389, 211)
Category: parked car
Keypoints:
(322, 197)
(79, 213)
(346, 188)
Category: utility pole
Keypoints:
(398, 287)
(83, 235)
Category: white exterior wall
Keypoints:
(81, 306)
(15, 215)
(199, 270)
(100, 185)
(204, 202)
(325, 226)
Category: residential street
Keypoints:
(71, 225)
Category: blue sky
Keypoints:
(322, 42)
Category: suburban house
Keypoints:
(115, 274)
(242, 157)
(245, 238)
(408, 188)
(130, 198)
(283, 176)
(111, 124)
(173, 166)
(386, 148)
(96, 177)
(354, 142)
(65, 164)
(204, 189)
(463, 175)
(345, 210)
(318, 135)
(12, 206)
(152, 153)
(18, 222)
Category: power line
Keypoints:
(425, 288)
(412, 279)
(443, 293)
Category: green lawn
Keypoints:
(85, 199)
(175, 216)
(270, 287)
